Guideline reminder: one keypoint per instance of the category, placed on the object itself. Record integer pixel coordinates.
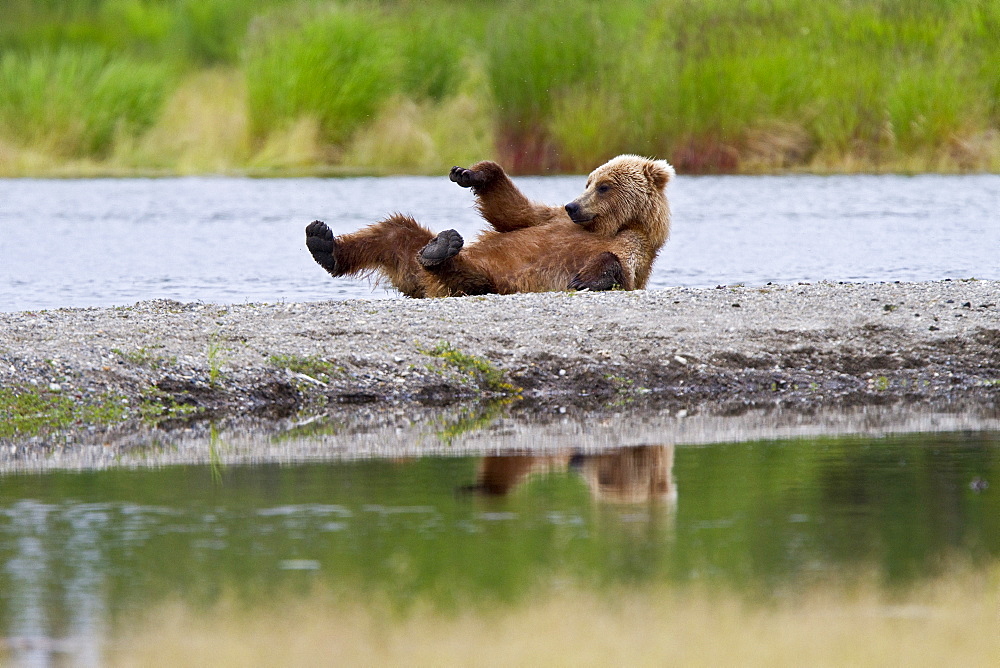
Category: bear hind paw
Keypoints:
(322, 245)
(444, 246)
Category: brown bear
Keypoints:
(606, 238)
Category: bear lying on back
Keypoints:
(606, 238)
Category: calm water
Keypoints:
(80, 551)
(230, 240)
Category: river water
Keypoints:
(83, 551)
(231, 240)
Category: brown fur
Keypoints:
(635, 474)
(608, 237)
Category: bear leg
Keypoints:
(604, 272)
(474, 178)
(500, 202)
(388, 247)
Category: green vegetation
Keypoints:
(157, 406)
(472, 418)
(76, 102)
(293, 72)
(479, 370)
(142, 356)
(314, 366)
(217, 356)
(902, 85)
(27, 411)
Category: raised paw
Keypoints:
(320, 242)
(445, 245)
(468, 178)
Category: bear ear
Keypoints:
(659, 173)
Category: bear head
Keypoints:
(626, 192)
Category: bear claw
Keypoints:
(320, 242)
(445, 245)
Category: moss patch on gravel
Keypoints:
(480, 370)
(27, 411)
(313, 366)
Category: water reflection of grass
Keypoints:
(949, 621)
(472, 418)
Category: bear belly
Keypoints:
(534, 259)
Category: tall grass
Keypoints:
(192, 32)
(75, 102)
(336, 67)
(699, 81)
(339, 65)
(712, 85)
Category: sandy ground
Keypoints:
(782, 359)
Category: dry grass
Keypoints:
(203, 128)
(953, 621)
(430, 136)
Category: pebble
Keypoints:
(777, 330)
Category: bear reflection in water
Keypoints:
(638, 474)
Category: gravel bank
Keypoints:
(934, 347)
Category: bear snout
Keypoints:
(576, 213)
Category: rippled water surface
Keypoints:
(230, 240)
(80, 550)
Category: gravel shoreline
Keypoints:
(933, 347)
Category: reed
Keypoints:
(75, 102)
(336, 66)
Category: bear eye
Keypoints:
(603, 189)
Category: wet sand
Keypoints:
(775, 357)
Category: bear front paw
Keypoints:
(320, 242)
(468, 178)
(442, 247)
(604, 272)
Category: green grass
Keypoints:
(713, 86)
(77, 102)
(336, 67)
(143, 356)
(157, 406)
(216, 355)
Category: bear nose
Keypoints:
(572, 209)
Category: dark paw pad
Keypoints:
(468, 178)
(443, 246)
(320, 242)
